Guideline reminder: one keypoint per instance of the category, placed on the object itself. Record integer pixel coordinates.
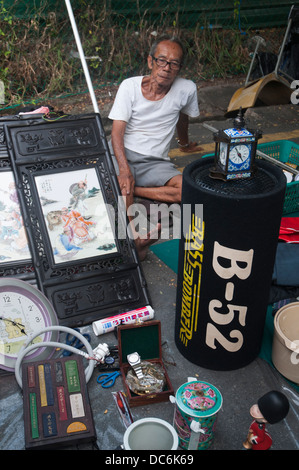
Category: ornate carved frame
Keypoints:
(80, 290)
(21, 269)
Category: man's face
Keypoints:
(171, 52)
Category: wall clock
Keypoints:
(24, 311)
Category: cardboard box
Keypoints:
(144, 338)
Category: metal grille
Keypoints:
(262, 182)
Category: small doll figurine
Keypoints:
(270, 408)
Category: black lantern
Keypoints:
(235, 151)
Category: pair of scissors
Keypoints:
(74, 341)
(108, 379)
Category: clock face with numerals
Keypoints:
(235, 152)
(239, 156)
(24, 311)
(223, 153)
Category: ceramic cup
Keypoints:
(150, 434)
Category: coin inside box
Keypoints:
(144, 338)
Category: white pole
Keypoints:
(82, 56)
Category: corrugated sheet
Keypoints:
(215, 13)
(190, 13)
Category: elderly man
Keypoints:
(146, 112)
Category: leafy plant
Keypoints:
(38, 54)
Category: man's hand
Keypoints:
(126, 184)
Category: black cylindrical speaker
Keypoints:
(226, 258)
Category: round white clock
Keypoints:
(222, 153)
(24, 310)
(239, 154)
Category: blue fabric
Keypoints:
(286, 268)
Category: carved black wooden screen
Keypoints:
(82, 249)
(15, 256)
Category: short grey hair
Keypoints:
(167, 37)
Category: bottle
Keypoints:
(108, 324)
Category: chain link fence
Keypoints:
(39, 58)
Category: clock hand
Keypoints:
(239, 155)
(19, 325)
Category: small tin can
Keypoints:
(196, 407)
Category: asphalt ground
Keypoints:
(239, 388)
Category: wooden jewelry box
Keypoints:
(144, 338)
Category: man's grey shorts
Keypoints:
(148, 171)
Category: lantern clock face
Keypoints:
(235, 151)
(24, 311)
(239, 156)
